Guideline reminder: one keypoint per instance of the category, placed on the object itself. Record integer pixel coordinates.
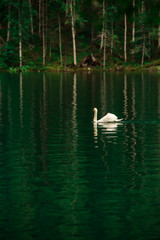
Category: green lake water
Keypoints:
(63, 177)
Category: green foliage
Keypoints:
(88, 21)
(3, 65)
(25, 68)
(13, 69)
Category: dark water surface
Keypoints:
(64, 178)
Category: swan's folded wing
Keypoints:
(109, 117)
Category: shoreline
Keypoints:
(152, 66)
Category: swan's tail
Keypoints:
(118, 120)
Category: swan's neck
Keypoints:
(95, 115)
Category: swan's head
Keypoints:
(95, 114)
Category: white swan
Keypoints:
(109, 117)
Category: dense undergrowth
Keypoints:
(110, 66)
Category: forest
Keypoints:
(61, 34)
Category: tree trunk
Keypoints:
(50, 50)
(46, 24)
(43, 35)
(20, 37)
(103, 27)
(143, 51)
(143, 36)
(30, 9)
(9, 22)
(159, 33)
(40, 3)
(73, 32)
(112, 43)
(20, 46)
(149, 48)
(133, 25)
(104, 36)
(92, 32)
(60, 40)
(125, 37)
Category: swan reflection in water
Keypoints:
(109, 129)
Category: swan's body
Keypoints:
(109, 117)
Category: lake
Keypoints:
(63, 177)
